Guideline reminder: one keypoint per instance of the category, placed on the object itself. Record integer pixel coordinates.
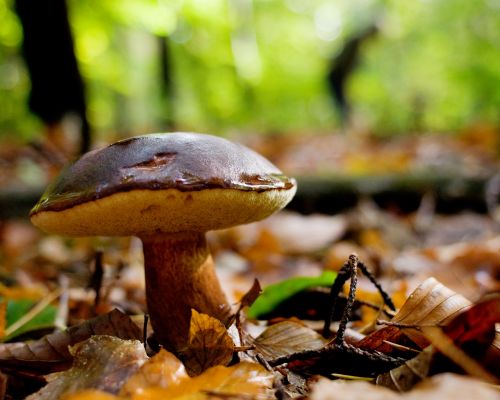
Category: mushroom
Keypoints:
(168, 190)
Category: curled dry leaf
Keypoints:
(51, 353)
(101, 362)
(431, 303)
(249, 297)
(439, 387)
(286, 338)
(209, 344)
(406, 376)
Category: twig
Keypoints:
(332, 349)
(346, 315)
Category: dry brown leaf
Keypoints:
(286, 338)
(439, 387)
(101, 362)
(51, 353)
(161, 370)
(249, 297)
(243, 380)
(405, 377)
(445, 344)
(431, 303)
(209, 344)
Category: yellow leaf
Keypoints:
(161, 370)
(90, 395)
(209, 344)
(243, 380)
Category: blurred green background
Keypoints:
(260, 66)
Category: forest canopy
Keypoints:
(261, 65)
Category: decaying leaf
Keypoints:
(431, 303)
(406, 376)
(209, 344)
(51, 353)
(286, 338)
(161, 370)
(101, 362)
(439, 387)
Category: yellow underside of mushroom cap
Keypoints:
(144, 212)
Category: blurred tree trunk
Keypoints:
(57, 88)
(167, 89)
(342, 67)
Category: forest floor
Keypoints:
(441, 270)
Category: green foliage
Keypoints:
(274, 295)
(261, 65)
(16, 309)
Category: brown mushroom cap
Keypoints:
(162, 183)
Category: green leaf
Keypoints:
(275, 294)
(16, 309)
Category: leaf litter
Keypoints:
(401, 250)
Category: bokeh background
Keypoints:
(261, 66)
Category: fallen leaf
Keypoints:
(161, 370)
(89, 395)
(439, 387)
(406, 376)
(209, 344)
(286, 338)
(474, 329)
(51, 353)
(431, 303)
(101, 362)
(243, 380)
(253, 293)
(445, 345)
(17, 310)
(275, 294)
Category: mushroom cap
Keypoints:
(165, 183)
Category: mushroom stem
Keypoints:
(180, 275)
